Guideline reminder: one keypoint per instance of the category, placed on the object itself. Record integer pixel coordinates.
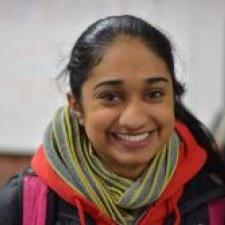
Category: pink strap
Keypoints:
(34, 201)
(216, 211)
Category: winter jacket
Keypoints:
(191, 194)
(194, 204)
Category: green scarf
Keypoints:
(70, 154)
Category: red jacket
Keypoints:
(191, 160)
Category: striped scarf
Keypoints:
(71, 155)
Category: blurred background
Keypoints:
(37, 36)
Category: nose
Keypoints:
(134, 116)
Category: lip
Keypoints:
(133, 145)
(133, 137)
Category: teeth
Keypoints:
(133, 138)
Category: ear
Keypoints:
(75, 107)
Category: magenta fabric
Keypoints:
(216, 211)
(34, 201)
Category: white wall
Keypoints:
(36, 37)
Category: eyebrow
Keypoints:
(150, 80)
(153, 80)
(108, 83)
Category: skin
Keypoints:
(127, 107)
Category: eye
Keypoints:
(155, 94)
(109, 97)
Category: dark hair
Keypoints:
(89, 50)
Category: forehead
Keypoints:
(128, 58)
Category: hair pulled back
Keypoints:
(88, 52)
(89, 48)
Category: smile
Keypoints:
(134, 137)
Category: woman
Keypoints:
(125, 150)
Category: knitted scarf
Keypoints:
(71, 155)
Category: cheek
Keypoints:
(165, 114)
(97, 123)
(166, 120)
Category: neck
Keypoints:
(131, 172)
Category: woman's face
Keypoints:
(128, 107)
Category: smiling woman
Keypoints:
(127, 106)
(125, 150)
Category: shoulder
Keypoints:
(203, 187)
(9, 201)
(199, 195)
